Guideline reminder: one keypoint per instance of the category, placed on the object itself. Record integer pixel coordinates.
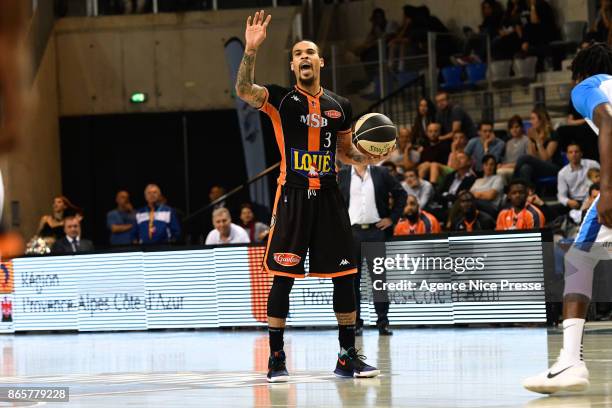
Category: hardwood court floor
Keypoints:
(450, 367)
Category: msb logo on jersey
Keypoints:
(313, 120)
(312, 163)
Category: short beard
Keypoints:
(308, 81)
(414, 217)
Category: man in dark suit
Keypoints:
(72, 242)
(367, 192)
(459, 180)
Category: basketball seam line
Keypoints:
(366, 131)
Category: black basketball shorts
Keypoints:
(313, 221)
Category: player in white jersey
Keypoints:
(592, 96)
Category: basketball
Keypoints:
(375, 134)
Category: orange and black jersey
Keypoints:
(306, 128)
(529, 217)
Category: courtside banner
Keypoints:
(226, 287)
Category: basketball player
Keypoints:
(592, 96)
(312, 128)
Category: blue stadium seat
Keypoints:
(452, 78)
(405, 77)
(475, 73)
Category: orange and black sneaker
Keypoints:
(277, 371)
(351, 365)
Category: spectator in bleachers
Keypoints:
(543, 157)
(438, 171)
(576, 129)
(534, 199)
(426, 113)
(418, 133)
(521, 214)
(508, 43)
(72, 242)
(421, 189)
(458, 145)
(394, 171)
(594, 175)
(539, 31)
(215, 193)
(122, 220)
(577, 215)
(51, 226)
(486, 143)
(225, 232)
(435, 152)
(488, 189)
(381, 29)
(403, 42)
(572, 181)
(515, 147)
(411, 38)
(469, 218)
(492, 15)
(593, 193)
(461, 179)
(426, 23)
(415, 220)
(475, 50)
(452, 118)
(403, 140)
(600, 30)
(257, 231)
(156, 223)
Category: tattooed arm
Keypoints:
(255, 34)
(347, 153)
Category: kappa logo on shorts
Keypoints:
(334, 114)
(287, 258)
(344, 262)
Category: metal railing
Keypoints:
(256, 187)
(401, 104)
(367, 75)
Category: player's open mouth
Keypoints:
(305, 66)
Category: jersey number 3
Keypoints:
(327, 140)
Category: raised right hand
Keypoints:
(255, 32)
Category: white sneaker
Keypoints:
(562, 376)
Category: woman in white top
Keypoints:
(257, 231)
